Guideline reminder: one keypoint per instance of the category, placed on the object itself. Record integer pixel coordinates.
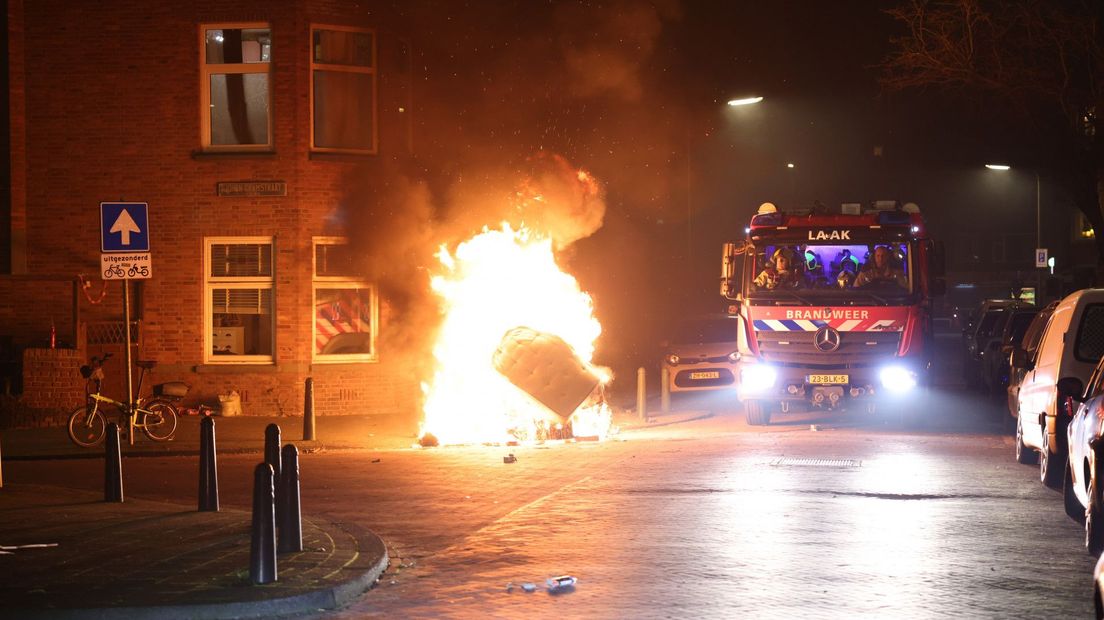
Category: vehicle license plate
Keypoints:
(712, 374)
(828, 379)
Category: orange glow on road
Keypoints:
(498, 280)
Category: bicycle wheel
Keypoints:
(86, 429)
(158, 419)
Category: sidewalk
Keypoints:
(143, 559)
(67, 554)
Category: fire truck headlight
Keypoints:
(897, 379)
(734, 357)
(757, 378)
(672, 360)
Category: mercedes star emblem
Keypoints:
(826, 339)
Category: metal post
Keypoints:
(641, 396)
(291, 521)
(1040, 278)
(665, 390)
(262, 548)
(127, 361)
(113, 466)
(208, 467)
(308, 410)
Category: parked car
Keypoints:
(702, 354)
(997, 351)
(1083, 487)
(1071, 347)
(1030, 345)
(987, 328)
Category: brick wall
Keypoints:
(52, 387)
(112, 113)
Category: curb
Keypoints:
(322, 599)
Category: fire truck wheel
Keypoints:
(757, 412)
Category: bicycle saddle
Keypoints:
(147, 364)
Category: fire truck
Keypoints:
(846, 322)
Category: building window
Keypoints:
(239, 307)
(236, 86)
(343, 89)
(345, 308)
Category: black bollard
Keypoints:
(208, 467)
(262, 548)
(308, 410)
(272, 456)
(291, 520)
(272, 448)
(113, 465)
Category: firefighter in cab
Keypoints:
(882, 271)
(782, 273)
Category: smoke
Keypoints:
(511, 100)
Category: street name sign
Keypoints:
(124, 227)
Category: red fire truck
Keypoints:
(846, 321)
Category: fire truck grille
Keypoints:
(855, 347)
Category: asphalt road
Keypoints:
(709, 518)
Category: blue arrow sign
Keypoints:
(124, 227)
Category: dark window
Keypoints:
(1090, 334)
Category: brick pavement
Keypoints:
(161, 560)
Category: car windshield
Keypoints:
(699, 331)
(875, 273)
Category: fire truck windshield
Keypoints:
(879, 271)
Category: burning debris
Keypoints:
(537, 382)
(546, 368)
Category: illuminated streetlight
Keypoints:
(1001, 167)
(790, 165)
(744, 101)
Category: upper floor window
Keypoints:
(343, 89)
(239, 304)
(236, 86)
(345, 310)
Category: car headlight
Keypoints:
(756, 378)
(672, 359)
(734, 357)
(897, 379)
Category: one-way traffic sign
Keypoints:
(124, 227)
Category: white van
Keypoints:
(1071, 346)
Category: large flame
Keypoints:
(496, 281)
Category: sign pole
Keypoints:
(127, 361)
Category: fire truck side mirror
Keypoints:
(729, 289)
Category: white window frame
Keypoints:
(329, 282)
(238, 282)
(205, 72)
(374, 149)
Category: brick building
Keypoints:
(240, 125)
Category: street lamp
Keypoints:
(734, 103)
(745, 101)
(1038, 229)
(1038, 222)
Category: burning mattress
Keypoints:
(546, 368)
